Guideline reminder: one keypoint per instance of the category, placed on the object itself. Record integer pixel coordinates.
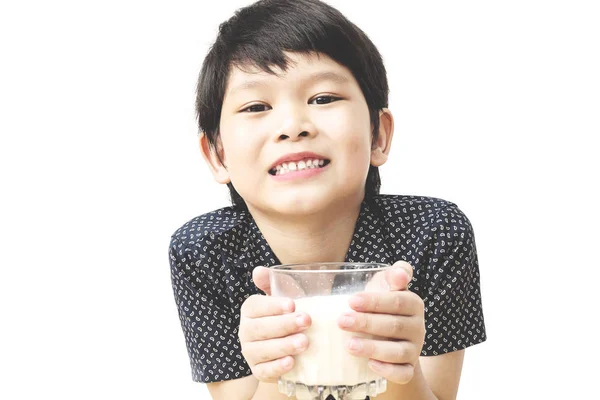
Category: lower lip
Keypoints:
(305, 173)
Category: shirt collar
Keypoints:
(255, 250)
(369, 242)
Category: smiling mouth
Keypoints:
(293, 166)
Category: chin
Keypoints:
(305, 203)
(305, 200)
(299, 206)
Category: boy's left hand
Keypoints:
(396, 317)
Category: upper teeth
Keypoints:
(284, 168)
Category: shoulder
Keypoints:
(210, 228)
(203, 247)
(427, 217)
(410, 207)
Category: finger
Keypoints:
(396, 277)
(396, 303)
(378, 282)
(408, 270)
(399, 276)
(389, 326)
(257, 306)
(264, 328)
(286, 284)
(270, 371)
(261, 278)
(397, 373)
(396, 352)
(272, 349)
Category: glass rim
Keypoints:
(294, 267)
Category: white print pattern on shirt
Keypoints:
(213, 255)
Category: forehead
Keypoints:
(303, 68)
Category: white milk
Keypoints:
(326, 361)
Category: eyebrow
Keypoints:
(316, 77)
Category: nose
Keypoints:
(293, 138)
(295, 125)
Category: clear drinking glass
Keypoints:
(322, 291)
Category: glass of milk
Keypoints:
(322, 290)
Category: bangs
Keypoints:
(262, 42)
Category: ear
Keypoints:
(216, 165)
(381, 148)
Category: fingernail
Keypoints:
(376, 365)
(287, 306)
(286, 362)
(301, 321)
(347, 321)
(399, 273)
(299, 343)
(357, 302)
(355, 344)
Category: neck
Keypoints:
(320, 237)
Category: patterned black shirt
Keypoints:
(213, 255)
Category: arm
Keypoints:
(442, 373)
(435, 378)
(244, 388)
(248, 388)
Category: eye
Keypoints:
(254, 108)
(324, 99)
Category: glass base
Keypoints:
(340, 392)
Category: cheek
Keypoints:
(242, 145)
(239, 145)
(350, 129)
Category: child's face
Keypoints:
(315, 106)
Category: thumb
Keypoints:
(261, 278)
(395, 278)
(400, 275)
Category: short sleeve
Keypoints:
(209, 326)
(453, 307)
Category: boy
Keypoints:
(292, 106)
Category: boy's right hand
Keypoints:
(270, 331)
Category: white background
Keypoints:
(497, 109)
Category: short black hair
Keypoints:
(259, 34)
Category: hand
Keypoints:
(396, 318)
(270, 331)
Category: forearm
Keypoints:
(416, 389)
(269, 391)
(247, 388)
